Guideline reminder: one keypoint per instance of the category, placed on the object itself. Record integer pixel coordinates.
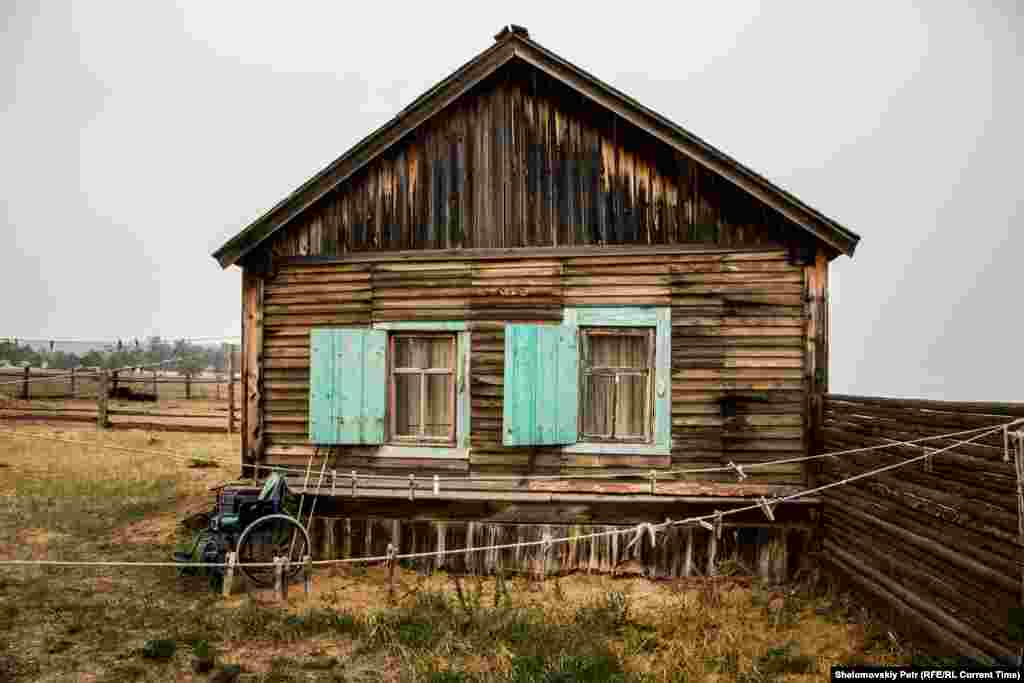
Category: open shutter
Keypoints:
(541, 397)
(347, 382)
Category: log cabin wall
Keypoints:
(522, 160)
(938, 543)
(739, 335)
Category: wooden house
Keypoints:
(527, 273)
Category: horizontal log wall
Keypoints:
(738, 333)
(938, 543)
(523, 161)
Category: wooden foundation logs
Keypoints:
(764, 551)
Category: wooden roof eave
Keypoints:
(825, 229)
(483, 65)
(363, 152)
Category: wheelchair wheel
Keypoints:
(269, 537)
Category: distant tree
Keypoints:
(64, 360)
(93, 359)
(19, 354)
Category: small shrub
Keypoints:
(600, 668)
(728, 663)
(605, 615)
(415, 634)
(784, 660)
(159, 649)
(448, 676)
(527, 668)
(640, 638)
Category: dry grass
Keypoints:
(67, 502)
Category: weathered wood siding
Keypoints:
(937, 543)
(524, 161)
(739, 333)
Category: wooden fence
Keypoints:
(34, 383)
(939, 543)
(91, 395)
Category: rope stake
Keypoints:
(412, 487)
(390, 563)
(767, 507)
(653, 476)
(355, 481)
(437, 485)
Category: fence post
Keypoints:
(229, 574)
(279, 578)
(154, 386)
(231, 388)
(74, 392)
(286, 567)
(188, 385)
(114, 377)
(101, 399)
(24, 383)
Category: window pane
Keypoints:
(439, 407)
(597, 404)
(407, 405)
(409, 353)
(424, 352)
(441, 352)
(618, 351)
(631, 407)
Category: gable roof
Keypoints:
(510, 44)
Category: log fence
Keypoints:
(938, 544)
(50, 395)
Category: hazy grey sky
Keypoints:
(136, 137)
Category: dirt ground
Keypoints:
(85, 502)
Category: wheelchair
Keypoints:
(256, 526)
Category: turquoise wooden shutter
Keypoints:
(541, 397)
(347, 381)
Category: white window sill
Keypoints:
(618, 448)
(425, 451)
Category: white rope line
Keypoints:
(703, 520)
(298, 469)
(722, 468)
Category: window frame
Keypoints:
(583, 336)
(659, 318)
(458, 445)
(392, 436)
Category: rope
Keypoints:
(599, 475)
(722, 468)
(547, 541)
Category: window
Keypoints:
(616, 397)
(422, 390)
(598, 383)
(400, 384)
